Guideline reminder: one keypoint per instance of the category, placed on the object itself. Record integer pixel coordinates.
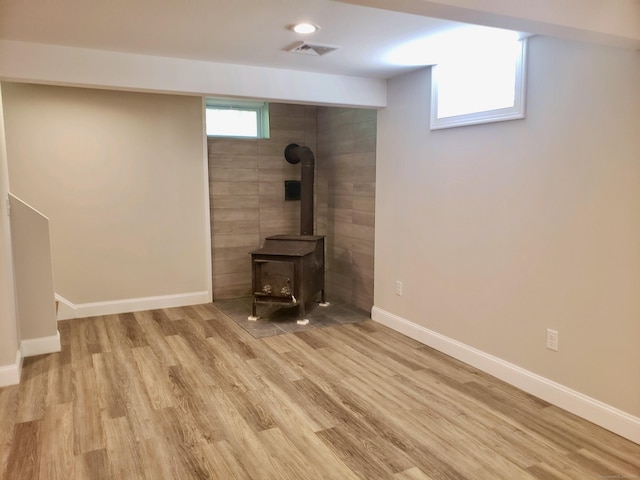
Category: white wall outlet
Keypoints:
(398, 287)
(552, 339)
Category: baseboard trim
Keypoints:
(595, 411)
(40, 346)
(68, 310)
(65, 310)
(10, 374)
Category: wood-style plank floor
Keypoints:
(185, 393)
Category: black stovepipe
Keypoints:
(295, 154)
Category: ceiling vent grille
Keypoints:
(311, 49)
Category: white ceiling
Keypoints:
(251, 32)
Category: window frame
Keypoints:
(517, 111)
(260, 108)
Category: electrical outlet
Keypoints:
(398, 287)
(552, 339)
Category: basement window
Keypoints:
(487, 85)
(237, 118)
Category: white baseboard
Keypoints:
(10, 374)
(606, 416)
(40, 346)
(65, 310)
(68, 310)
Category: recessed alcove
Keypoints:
(248, 204)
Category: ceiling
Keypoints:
(250, 32)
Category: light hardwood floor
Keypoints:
(185, 393)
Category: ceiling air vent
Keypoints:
(310, 49)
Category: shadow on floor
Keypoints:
(276, 320)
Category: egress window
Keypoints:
(237, 118)
(484, 86)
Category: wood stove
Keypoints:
(289, 270)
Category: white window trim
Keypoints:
(488, 116)
(261, 108)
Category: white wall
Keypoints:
(123, 179)
(31, 245)
(614, 23)
(503, 230)
(58, 65)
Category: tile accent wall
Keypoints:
(346, 175)
(246, 188)
(246, 179)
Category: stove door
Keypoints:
(274, 278)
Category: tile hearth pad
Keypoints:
(276, 320)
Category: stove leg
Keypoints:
(301, 310)
(302, 313)
(253, 316)
(323, 300)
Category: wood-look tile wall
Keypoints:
(346, 175)
(246, 179)
(246, 188)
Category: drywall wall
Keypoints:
(607, 23)
(122, 178)
(500, 231)
(9, 339)
(54, 64)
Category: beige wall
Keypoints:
(500, 231)
(121, 177)
(346, 198)
(246, 184)
(9, 337)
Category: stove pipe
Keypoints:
(295, 154)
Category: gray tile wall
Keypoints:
(246, 188)
(246, 179)
(346, 197)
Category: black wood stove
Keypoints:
(289, 270)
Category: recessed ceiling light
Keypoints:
(305, 28)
